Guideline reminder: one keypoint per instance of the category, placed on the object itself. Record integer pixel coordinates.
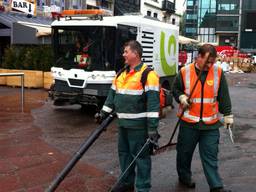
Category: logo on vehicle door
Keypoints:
(168, 56)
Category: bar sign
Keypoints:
(23, 6)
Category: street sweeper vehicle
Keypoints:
(88, 54)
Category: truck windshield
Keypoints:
(88, 47)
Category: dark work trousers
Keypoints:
(208, 148)
(130, 142)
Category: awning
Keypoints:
(28, 33)
(24, 30)
(211, 43)
(186, 40)
(8, 18)
(41, 30)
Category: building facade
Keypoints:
(162, 10)
(191, 17)
(201, 20)
(248, 26)
(222, 22)
(45, 7)
(122, 7)
(227, 22)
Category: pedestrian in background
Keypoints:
(224, 65)
(137, 109)
(200, 123)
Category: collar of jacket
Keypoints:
(198, 69)
(136, 69)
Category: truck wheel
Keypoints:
(89, 109)
(59, 102)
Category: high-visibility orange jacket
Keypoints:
(204, 104)
(135, 106)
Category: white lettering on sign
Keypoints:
(24, 6)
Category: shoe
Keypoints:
(220, 189)
(120, 187)
(188, 184)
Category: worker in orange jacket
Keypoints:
(137, 109)
(200, 122)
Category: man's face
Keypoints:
(129, 55)
(209, 63)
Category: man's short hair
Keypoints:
(134, 46)
(207, 48)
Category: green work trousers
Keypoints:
(130, 142)
(208, 148)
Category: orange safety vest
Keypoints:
(127, 83)
(210, 93)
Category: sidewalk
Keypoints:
(27, 163)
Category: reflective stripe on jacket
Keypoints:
(205, 95)
(135, 106)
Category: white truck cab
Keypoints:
(88, 53)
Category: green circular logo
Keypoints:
(169, 67)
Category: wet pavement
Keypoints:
(27, 161)
(35, 145)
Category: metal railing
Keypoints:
(22, 85)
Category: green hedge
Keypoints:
(28, 57)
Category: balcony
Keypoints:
(168, 6)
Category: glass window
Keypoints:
(190, 3)
(80, 47)
(223, 7)
(249, 4)
(206, 34)
(191, 16)
(57, 2)
(227, 23)
(203, 12)
(212, 10)
(213, 4)
(205, 4)
(211, 38)
(190, 30)
(232, 7)
(228, 7)
(173, 21)
(207, 19)
(149, 13)
(250, 21)
(155, 15)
